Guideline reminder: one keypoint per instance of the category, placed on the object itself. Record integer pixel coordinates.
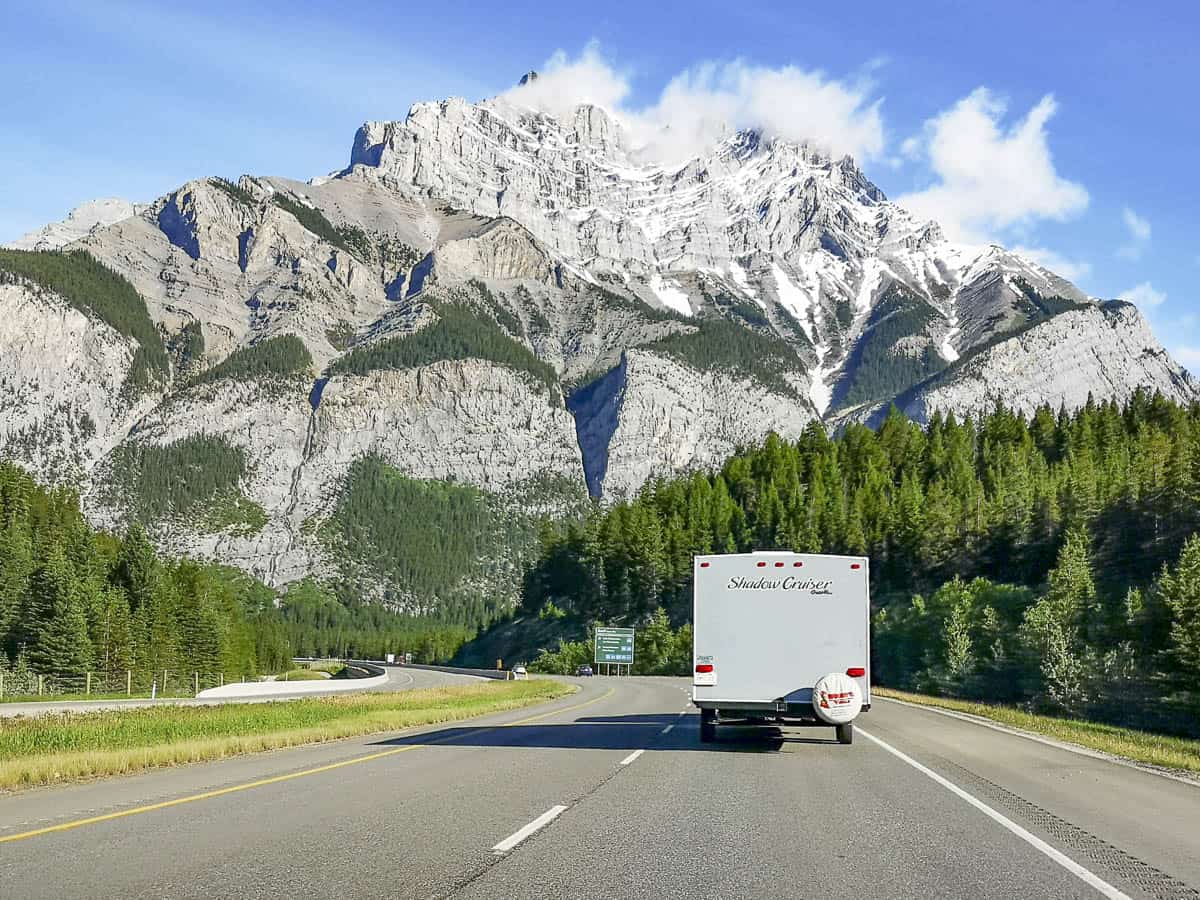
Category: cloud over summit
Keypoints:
(704, 103)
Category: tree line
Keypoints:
(78, 603)
(94, 289)
(74, 600)
(1032, 559)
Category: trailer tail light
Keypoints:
(762, 565)
(705, 565)
(797, 565)
(855, 565)
(856, 671)
(704, 668)
(779, 565)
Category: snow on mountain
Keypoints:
(631, 319)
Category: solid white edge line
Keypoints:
(1085, 875)
(668, 728)
(631, 757)
(522, 833)
(1048, 741)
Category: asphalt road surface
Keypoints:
(609, 794)
(399, 679)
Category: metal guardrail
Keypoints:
(499, 674)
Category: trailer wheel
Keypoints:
(845, 733)
(708, 726)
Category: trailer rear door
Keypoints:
(771, 624)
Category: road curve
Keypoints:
(608, 793)
(399, 679)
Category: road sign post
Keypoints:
(614, 645)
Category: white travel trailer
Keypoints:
(781, 638)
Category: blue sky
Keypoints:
(1067, 128)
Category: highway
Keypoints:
(399, 679)
(609, 794)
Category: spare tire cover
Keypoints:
(837, 698)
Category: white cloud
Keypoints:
(1072, 270)
(707, 102)
(1188, 357)
(1144, 295)
(564, 83)
(992, 178)
(1139, 235)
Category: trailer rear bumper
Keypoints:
(772, 711)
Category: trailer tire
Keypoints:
(845, 733)
(708, 726)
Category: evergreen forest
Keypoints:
(1052, 561)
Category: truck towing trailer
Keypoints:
(781, 638)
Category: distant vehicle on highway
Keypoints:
(519, 673)
(583, 670)
(781, 638)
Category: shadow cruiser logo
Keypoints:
(812, 585)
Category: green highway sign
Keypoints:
(614, 645)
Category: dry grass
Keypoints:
(71, 746)
(1141, 746)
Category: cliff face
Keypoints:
(62, 375)
(655, 416)
(489, 296)
(1104, 351)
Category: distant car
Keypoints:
(519, 673)
(583, 670)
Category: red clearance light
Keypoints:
(703, 668)
(705, 565)
(856, 671)
(855, 566)
(797, 565)
(779, 565)
(761, 564)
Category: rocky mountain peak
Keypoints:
(81, 221)
(521, 303)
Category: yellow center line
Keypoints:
(207, 795)
(263, 782)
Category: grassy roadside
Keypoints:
(1139, 746)
(302, 675)
(70, 746)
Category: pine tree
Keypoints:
(61, 646)
(1053, 628)
(1180, 590)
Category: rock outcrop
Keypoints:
(655, 416)
(1104, 351)
(585, 268)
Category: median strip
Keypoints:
(631, 757)
(68, 746)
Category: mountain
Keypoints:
(488, 315)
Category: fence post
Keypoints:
(128, 682)
(1, 684)
(153, 688)
(164, 681)
(41, 680)
(221, 680)
(88, 689)
(196, 683)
